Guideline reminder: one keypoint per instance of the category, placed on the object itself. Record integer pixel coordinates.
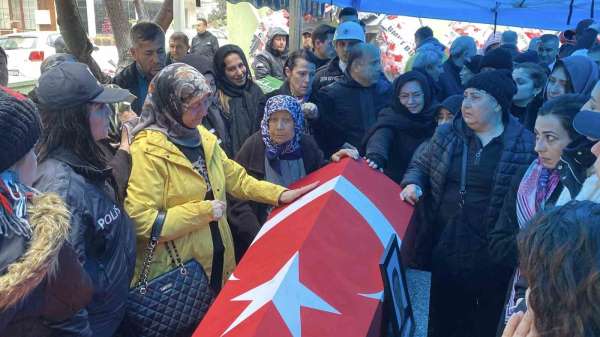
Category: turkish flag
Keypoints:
(313, 270)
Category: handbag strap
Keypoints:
(149, 255)
(463, 175)
(216, 276)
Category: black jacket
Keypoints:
(246, 217)
(347, 110)
(528, 115)
(46, 284)
(585, 41)
(449, 82)
(327, 74)
(128, 78)
(398, 132)
(205, 43)
(101, 234)
(314, 59)
(271, 62)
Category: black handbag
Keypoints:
(172, 304)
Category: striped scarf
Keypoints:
(536, 187)
(13, 210)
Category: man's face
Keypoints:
(325, 49)
(279, 43)
(548, 51)
(3, 71)
(368, 68)
(307, 41)
(342, 47)
(150, 55)
(178, 49)
(201, 27)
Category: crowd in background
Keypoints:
(497, 149)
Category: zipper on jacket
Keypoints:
(478, 156)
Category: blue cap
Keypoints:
(349, 30)
(587, 123)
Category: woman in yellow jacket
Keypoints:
(180, 170)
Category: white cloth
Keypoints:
(589, 191)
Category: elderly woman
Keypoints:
(279, 153)
(466, 169)
(572, 75)
(180, 172)
(539, 186)
(401, 127)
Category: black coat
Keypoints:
(205, 44)
(398, 132)
(246, 217)
(327, 74)
(450, 83)
(101, 234)
(429, 169)
(128, 79)
(347, 110)
(47, 283)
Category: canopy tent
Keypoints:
(543, 14)
(306, 6)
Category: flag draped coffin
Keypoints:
(313, 269)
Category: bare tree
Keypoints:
(164, 17)
(75, 36)
(140, 9)
(120, 28)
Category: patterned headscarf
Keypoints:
(168, 94)
(291, 105)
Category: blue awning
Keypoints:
(308, 6)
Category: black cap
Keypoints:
(499, 84)
(587, 123)
(499, 58)
(71, 84)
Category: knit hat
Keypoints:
(497, 83)
(499, 58)
(528, 56)
(474, 64)
(20, 127)
(451, 103)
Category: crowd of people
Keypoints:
(498, 150)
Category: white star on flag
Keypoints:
(287, 293)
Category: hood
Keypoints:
(274, 32)
(432, 41)
(452, 103)
(49, 219)
(413, 75)
(582, 72)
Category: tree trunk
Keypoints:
(140, 9)
(75, 36)
(164, 17)
(120, 28)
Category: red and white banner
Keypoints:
(313, 270)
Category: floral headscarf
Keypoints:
(291, 105)
(168, 94)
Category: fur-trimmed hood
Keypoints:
(49, 220)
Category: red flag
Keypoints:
(313, 270)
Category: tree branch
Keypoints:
(120, 27)
(140, 9)
(164, 17)
(75, 37)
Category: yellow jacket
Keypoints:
(162, 178)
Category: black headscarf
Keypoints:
(223, 83)
(408, 77)
(201, 62)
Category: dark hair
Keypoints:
(356, 52)
(203, 20)
(424, 33)
(296, 55)
(70, 129)
(538, 74)
(145, 31)
(321, 32)
(559, 257)
(2, 52)
(564, 107)
(347, 11)
(179, 36)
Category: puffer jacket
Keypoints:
(163, 179)
(327, 74)
(46, 283)
(429, 168)
(347, 110)
(205, 44)
(271, 62)
(101, 234)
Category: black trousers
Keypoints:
(455, 311)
